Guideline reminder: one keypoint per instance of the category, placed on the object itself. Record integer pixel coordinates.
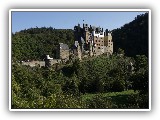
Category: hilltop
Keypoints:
(34, 43)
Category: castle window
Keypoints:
(109, 40)
(96, 40)
(98, 47)
(102, 41)
(99, 40)
(109, 46)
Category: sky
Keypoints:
(67, 20)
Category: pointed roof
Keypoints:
(63, 46)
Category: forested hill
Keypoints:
(34, 43)
(133, 37)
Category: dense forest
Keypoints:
(34, 43)
(133, 37)
(83, 84)
(96, 82)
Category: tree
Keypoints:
(133, 37)
(140, 79)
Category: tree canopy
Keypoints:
(133, 37)
(71, 85)
(34, 43)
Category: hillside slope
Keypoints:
(34, 43)
(133, 37)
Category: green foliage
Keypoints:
(62, 101)
(34, 87)
(141, 62)
(102, 79)
(122, 100)
(34, 43)
(140, 78)
(133, 37)
(71, 85)
(100, 102)
(120, 51)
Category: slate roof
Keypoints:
(63, 46)
(82, 40)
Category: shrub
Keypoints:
(99, 102)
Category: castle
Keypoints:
(89, 41)
(93, 40)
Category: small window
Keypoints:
(102, 41)
(109, 40)
(98, 47)
(96, 40)
(99, 40)
(109, 46)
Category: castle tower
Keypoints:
(90, 49)
(48, 61)
(79, 52)
(108, 43)
(95, 40)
